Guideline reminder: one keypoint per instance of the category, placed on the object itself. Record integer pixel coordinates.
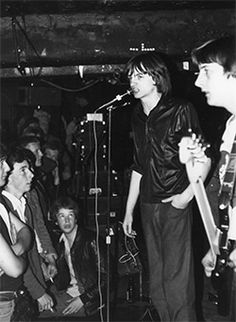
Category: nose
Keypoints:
(6, 167)
(132, 79)
(67, 219)
(199, 80)
(30, 174)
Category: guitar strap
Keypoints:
(228, 184)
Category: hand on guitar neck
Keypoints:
(192, 154)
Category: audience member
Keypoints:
(43, 167)
(18, 184)
(59, 179)
(15, 239)
(81, 278)
(38, 200)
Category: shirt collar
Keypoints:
(15, 201)
(62, 238)
(229, 135)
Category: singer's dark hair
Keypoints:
(221, 51)
(151, 63)
(3, 151)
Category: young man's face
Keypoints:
(213, 81)
(4, 169)
(142, 84)
(52, 154)
(34, 147)
(20, 179)
(66, 220)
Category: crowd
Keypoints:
(49, 275)
(45, 272)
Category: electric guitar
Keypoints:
(218, 238)
(194, 176)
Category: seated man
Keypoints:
(81, 278)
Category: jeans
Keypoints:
(7, 304)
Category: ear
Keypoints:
(155, 81)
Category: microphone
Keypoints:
(117, 98)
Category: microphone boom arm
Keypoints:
(116, 99)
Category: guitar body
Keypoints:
(224, 244)
(222, 276)
(222, 283)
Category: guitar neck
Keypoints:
(212, 232)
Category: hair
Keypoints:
(25, 140)
(151, 63)
(65, 202)
(18, 155)
(3, 151)
(221, 51)
(53, 144)
(36, 132)
(31, 122)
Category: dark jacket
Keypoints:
(156, 139)
(84, 257)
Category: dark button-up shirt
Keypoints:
(156, 139)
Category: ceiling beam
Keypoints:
(102, 38)
(26, 7)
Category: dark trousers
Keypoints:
(167, 231)
(233, 300)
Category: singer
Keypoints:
(159, 121)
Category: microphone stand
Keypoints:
(109, 107)
(108, 231)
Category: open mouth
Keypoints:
(135, 90)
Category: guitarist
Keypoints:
(216, 60)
